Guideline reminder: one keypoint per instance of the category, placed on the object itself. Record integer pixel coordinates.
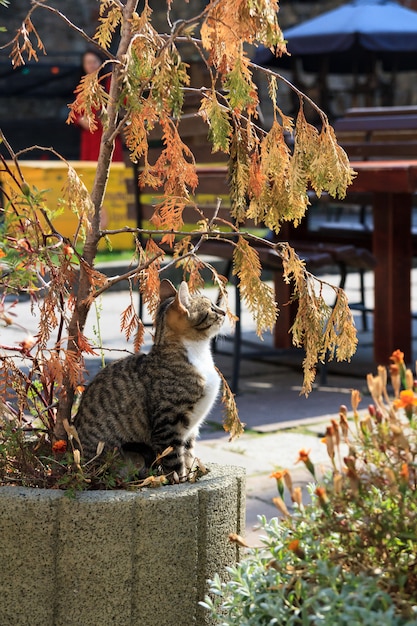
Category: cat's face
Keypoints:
(193, 316)
(205, 317)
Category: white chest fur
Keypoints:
(199, 355)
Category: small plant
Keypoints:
(350, 555)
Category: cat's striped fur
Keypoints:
(159, 399)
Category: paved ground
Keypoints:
(279, 421)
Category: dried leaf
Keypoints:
(71, 431)
(25, 47)
(100, 448)
(258, 295)
(129, 321)
(139, 337)
(84, 345)
(149, 277)
(231, 422)
(110, 18)
(91, 97)
(330, 168)
(323, 331)
(238, 539)
(229, 23)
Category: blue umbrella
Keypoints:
(351, 38)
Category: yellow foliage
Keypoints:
(323, 331)
(231, 421)
(258, 295)
(239, 168)
(79, 202)
(241, 91)
(268, 179)
(270, 203)
(229, 23)
(110, 18)
(330, 168)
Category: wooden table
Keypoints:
(392, 184)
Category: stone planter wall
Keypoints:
(117, 557)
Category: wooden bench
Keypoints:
(378, 132)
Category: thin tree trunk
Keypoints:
(82, 307)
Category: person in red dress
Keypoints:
(90, 141)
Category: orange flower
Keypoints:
(303, 456)
(279, 475)
(294, 546)
(322, 496)
(397, 357)
(2, 254)
(282, 476)
(405, 472)
(406, 400)
(59, 446)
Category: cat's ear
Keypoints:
(184, 295)
(166, 290)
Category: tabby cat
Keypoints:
(156, 400)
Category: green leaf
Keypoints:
(241, 90)
(218, 120)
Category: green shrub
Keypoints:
(275, 586)
(350, 555)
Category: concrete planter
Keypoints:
(115, 557)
